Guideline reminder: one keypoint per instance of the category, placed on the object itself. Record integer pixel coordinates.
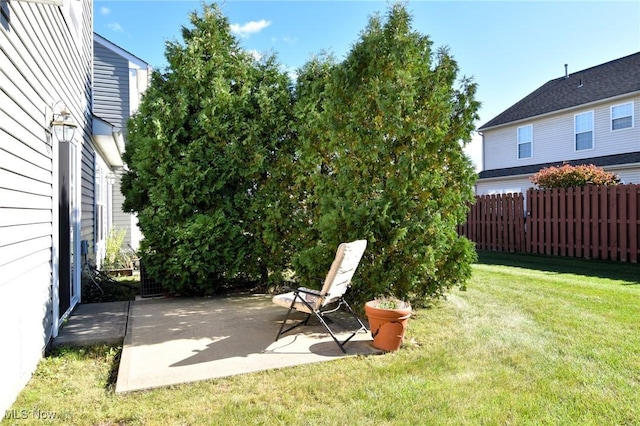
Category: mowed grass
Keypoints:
(534, 340)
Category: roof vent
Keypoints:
(566, 70)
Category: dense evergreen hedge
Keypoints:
(235, 171)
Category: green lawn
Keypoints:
(534, 340)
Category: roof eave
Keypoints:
(559, 111)
(109, 141)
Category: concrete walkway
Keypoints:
(94, 323)
(178, 340)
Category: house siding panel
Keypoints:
(43, 61)
(553, 139)
(10, 253)
(87, 230)
(626, 174)
(122, 220)
(120, 78)
(111, 86)
(13, 217)
(17, 164)
(503, 186)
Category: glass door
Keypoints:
(74, 229)
(69, 232)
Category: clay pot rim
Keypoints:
(405, 306)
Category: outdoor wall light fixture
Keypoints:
(62, 123)
(111, 178)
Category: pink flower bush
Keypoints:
(567, 176)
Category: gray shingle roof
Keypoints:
(604, 81)
(607, 160)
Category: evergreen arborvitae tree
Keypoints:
(205, 158)
(381, 157)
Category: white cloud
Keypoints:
(284, 39)
(249, 28)
(289, 39)
(256, 54)
(105, 10)
(114, 26)
(293, 73)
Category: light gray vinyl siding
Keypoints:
(515, 184)
(505, 185)
(87, 199)
(629, 175)
(114, 88)
(121, 220)
(42, 60)
(553, 137)
(111, 86)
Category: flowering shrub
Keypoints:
(567, 176)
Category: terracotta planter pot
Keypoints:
(387, 325)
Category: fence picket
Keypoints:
(571, 222)
(555, 217)
(595, 221)
(634, 223)
(623, 223)
(612, 218)
(579, 222)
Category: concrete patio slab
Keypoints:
(94, 323)
(171, 341)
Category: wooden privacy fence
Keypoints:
(596, 222)
(496, 222)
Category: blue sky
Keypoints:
(510, 48)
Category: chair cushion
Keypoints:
(342, 269)
(285, 300)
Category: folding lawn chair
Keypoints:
(331, 298)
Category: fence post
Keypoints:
(634, 222)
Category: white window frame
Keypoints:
(519, 142)
(100, 211)
(576, 133)
(612, 118)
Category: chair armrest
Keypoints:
(309, 291)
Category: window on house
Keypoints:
(622, 116)
(584, 131)
(525, 141)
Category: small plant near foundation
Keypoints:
(115, 256)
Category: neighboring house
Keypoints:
(119, 80)
(587, 117)
(52, 186)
